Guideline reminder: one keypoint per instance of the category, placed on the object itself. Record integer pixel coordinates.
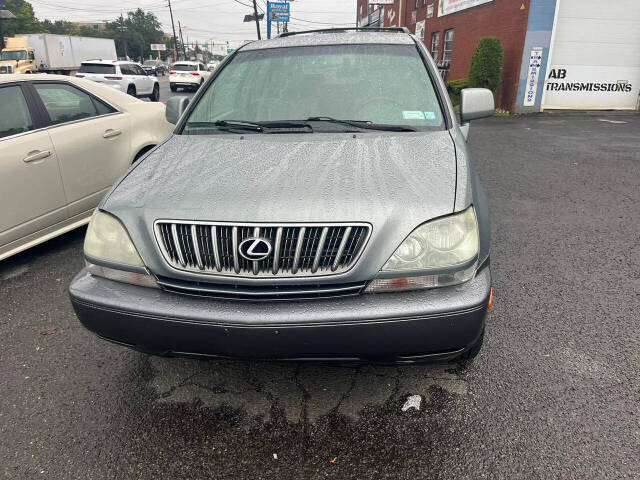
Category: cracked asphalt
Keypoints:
(555, 392)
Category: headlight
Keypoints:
(447, 246)
(108, 241)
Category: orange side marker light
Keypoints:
(490, 305)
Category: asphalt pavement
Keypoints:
(555, 392)
(166, 93)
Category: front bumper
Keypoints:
(437, 324)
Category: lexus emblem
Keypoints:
(254, 248)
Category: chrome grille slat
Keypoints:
(304, 250)
(343, 243)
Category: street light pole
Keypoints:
(255, 14)
(175, 41)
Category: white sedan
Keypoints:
(63, 143)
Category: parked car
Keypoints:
(187, 75)
(63, 142)
(328, 211)
(155, 68)
(125, 76)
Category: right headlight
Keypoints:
(445, 248)
(111, 254)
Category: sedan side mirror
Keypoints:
(476, 103)
(175, 108)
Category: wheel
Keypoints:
(155, 96)
(472, 352)
(131, 90)
(173, 87)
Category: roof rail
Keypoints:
(349, 29)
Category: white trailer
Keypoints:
(64, 54)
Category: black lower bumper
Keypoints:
(435, 324)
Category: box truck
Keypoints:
(47, 53)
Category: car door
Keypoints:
(144, 83)
(128, 77)
(204, 71)
(32, 192)
(91, 139)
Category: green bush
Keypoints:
(486, 64)
(454, 87)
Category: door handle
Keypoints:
(36, 155)
(111, 133)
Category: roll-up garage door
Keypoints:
(595, 56)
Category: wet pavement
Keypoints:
(555, 392)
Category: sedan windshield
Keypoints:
(14, 55)
(376, 84)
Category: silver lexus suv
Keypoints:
(315, 202)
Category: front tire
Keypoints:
(155, 96)
(131, 90)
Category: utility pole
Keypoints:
(184, 50)
(124, 38)
(175, 41)
(255, 14)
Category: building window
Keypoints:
(448, 45)
(435, 45)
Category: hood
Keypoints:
(393, 181)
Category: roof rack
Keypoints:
(349, 29)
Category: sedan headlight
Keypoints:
(447, 246)
(108, 243)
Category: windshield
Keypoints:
(184, 68)
(151, 62)
(381, 84)
(96, 68)
(14, 55)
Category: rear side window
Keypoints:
(97, 68)
(14, 113)
(65, 103)
(184, 68)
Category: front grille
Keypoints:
(259, 292)
(297, 250)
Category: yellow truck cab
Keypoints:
(18, 57)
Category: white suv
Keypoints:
(188, 75)
(128, 77)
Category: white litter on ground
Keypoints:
(611, 121)
(413, 401)
(275, 456)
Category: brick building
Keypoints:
(574, 54)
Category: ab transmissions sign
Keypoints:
(452, 6)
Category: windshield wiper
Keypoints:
(276, 126)
(365, 124)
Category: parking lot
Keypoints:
(555, 392)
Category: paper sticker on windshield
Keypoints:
(413, 115)
(428, 115)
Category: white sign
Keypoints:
(451, 6)
(161, 47)
(531, 88)
(420, 30)
(381, 2)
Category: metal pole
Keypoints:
(255, 14)
(175, 40)
(184, 51)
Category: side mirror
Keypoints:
(476, 103)
(175, 108)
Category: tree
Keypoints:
(486, 64)
(25, 21)
(135, 33)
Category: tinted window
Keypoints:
(14, 113)
(65, 103)
(97, 68)
(126, 70)
(386, 84)
(137, 70)
(184, 68)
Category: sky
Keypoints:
(204, 20)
